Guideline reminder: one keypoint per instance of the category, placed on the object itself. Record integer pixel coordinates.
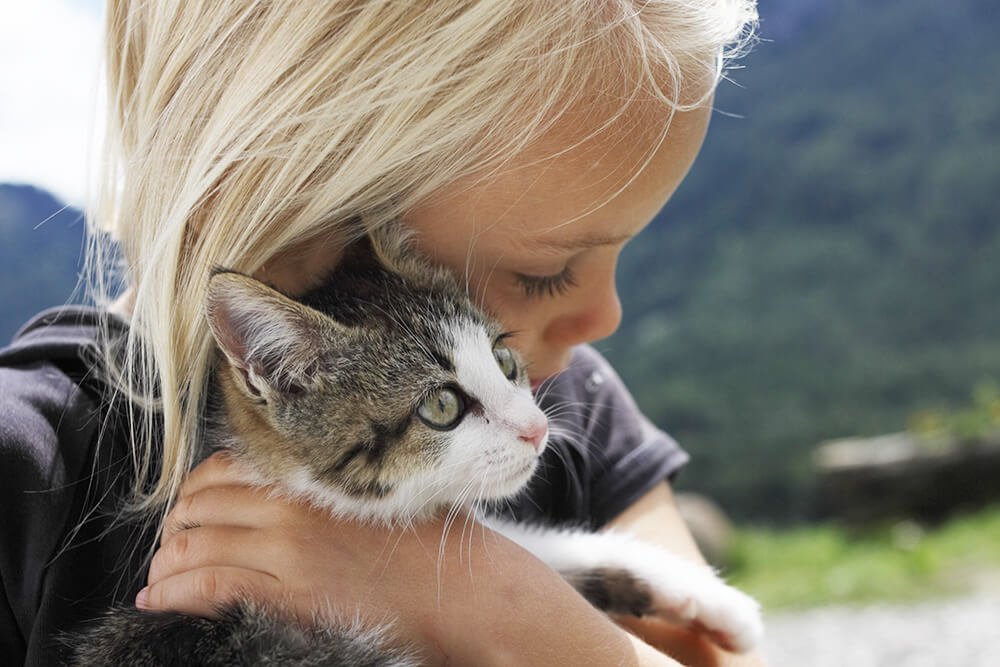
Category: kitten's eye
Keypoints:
(505, 360)
(442, 410)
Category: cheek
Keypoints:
(527, 325)
(525, 317)
(463, 451)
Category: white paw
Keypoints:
(730, 618)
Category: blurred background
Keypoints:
(815, 316)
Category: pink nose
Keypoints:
(534, 434)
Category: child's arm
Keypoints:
(472, 597)
(655, 518)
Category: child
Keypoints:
(523, 142)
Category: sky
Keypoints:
(49, 93)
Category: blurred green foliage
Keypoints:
(830, 266)
(977, 422)
(826, 564)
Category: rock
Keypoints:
(899, 475)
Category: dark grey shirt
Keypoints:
(63, 557)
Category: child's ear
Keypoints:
(274, 342)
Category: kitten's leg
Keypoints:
(620, 574)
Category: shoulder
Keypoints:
(47, 427)
(48, 414)
(589, 398)
(592, 384)
(590, 377)
(44, 412)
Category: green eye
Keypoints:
(505, 360)
(442, 410)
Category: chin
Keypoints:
(512, 483)
(542, 371)
(537, 380)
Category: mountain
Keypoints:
(830, 266)
(782, 21)
(41, 246)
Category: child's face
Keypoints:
(554, 219)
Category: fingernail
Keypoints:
(142, 599)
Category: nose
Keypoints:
(534, 433)
(593, 316)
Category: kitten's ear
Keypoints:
(393, 246)
(276, 343)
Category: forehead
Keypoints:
(571, 184)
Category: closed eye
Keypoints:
(553, 285)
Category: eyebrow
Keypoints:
(592, 240)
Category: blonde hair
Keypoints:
(240, 129)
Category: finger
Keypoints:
(203, 592)
(242, 506)
(219, 469)
(682, 644)
(214, 546)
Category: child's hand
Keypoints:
(469, 597)
(225, 539)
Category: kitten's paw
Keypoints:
(613, 590)
(697, 599)
(730, 618)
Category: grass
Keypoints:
(902, 562)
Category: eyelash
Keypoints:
(551, 286)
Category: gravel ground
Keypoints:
(958, 632)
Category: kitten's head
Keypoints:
(381, 393)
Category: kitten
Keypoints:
(385, 395)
